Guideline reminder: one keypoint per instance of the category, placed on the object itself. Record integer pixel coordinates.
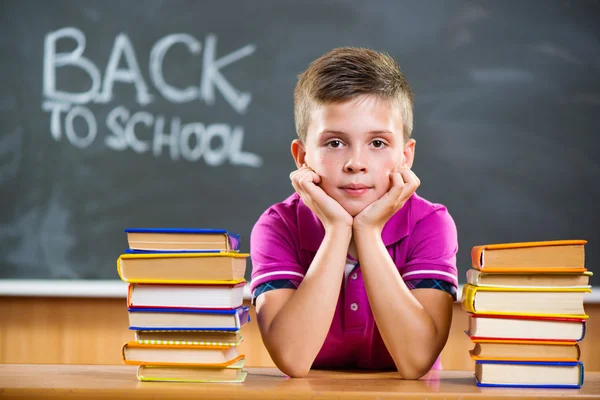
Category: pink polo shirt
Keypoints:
(421, 239)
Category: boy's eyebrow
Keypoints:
(376, 132)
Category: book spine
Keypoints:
(119, 271)
(583, 330)
(476, 257)
(182, 328)
(468, 298)
(129, 292)
(233, 241)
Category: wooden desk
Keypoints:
(119, 382)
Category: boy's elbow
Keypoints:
(415, 369)
(289, 362)
(295, 371)
(413, 373)
(292, 368)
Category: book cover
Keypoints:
(182, 239)
(525, 327)
(530, 256)
(239, 317)
(469, 293)
(220, 268)
(529, 279)
(525, 350)
(165, 296)
(232, 373)
(521, 375)
(134, 353)
(207, 337)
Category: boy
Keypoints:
(354, 270)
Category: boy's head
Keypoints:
(346, 73)
(354, 115)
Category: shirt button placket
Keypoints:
(355, 316)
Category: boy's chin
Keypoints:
(354, 209)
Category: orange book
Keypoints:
(182, 268)
(549, 256)
(525, 350)
(134, 353)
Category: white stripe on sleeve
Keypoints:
(430, 271)
(278, 273)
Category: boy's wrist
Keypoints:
(366, 232)
(339, 230)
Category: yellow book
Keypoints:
(183, 268)
(233, 373)
(517, 301)
(202, 338)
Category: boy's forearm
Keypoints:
(299, 329)
(408, 331)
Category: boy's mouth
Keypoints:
(355, 189)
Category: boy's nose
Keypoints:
(355, 164)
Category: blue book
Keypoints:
(182, 239)
(532, 374)
(197, 319)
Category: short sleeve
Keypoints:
(432, 249)
(274, 251)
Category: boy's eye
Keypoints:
(378, 144)
(334, 144)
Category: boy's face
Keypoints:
(353, 147)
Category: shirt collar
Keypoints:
(312, 232)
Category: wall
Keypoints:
(92, 140)
(91, 331)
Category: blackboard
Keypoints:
(179, 114)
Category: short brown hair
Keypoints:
(345, 73)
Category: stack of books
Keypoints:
(185, 304)
(526, 314)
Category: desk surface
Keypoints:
(115, 382)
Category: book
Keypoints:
(516, 301)
(232, 373)
(185, 296)
(134, 353)
(187, 319)
(549, 256)
(529, 374)
(525, 327)
(528, 279)
(206, 338)
(525, 350)
(182, 268)
(133, 251)
(182, 239)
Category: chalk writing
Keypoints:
(142, 131)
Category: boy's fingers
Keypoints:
(397, 185)
(412, 182)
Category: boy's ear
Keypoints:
(409, 153)
(298, 152)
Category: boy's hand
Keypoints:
(376, 214)
(329, 211)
